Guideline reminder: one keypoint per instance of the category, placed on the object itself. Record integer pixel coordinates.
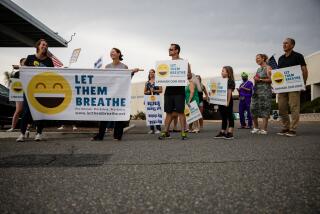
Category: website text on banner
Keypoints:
(287, 79)
(218, 90)
(15, 90)
(192, 112)
(171, 73)
(154, 113)
(77, 94)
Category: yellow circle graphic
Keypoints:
(49, 93)
(213, 88)
(17, 87)
(36, 63)
(278, 78)
(163, 70)
(153, 98)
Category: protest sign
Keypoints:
(171, 73)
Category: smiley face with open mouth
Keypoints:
(278, 78)
(49, 93)
(163, 70)
(17, 87)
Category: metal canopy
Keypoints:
(20, 29)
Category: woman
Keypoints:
(19, 104)
(116, 57)
(151, 89)
(41, 59)
(201, 100)
(262, 96)
(191, 93)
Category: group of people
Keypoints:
(255, 97)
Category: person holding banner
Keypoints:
(201, 100)
(226, 112)
(291, 99)
(262, 95)
(174, 100)
(191, 92)
(19, 104)
(245, 93)
(151, 89)
(40, 59)
(116, 57)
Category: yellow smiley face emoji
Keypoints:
(163, 70)
(153, 98)
(187, 111)
(36, 63)
(278, 78)
(17, 87)
(213, 88)
(49, 93)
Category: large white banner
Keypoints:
(218, 91)
(77, 94)
(154, 113)
(287, 79)
(15, 90)
(192, 112)
(171, 73)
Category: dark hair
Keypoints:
(149, 73)
(292, 41)
(38, 43)
(21, 60)
(263, 56)
(229, 70)
(119, 52)
(177, 47)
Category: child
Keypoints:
(226, 112)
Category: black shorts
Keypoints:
(174, 103)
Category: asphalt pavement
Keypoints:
(141, 174)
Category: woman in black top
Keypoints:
(40, 59)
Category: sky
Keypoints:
(211, 33)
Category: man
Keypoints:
(291, 99)
(40, 59)
(245, 94)
(174, 100)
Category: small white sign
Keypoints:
(287, 79)
(15, 90)
(171, 73)
(154, 113)
(218, 91)
(192, 112)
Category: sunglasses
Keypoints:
(171, 49)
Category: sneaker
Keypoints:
(263, 132)
(38, 137)
(61, 127)
(27, 134)
(74, 128)
(184, 136)
(150, 132)
(20, 138)
(164, 135)
(96, 138)
(255, 131)
(291, 134)
(10, 130)
(220, 135)
(283, 132)
(157, 132)
(228, 136)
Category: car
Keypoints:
(7, 108)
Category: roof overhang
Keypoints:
(20, 29)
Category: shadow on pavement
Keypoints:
(54, 160)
